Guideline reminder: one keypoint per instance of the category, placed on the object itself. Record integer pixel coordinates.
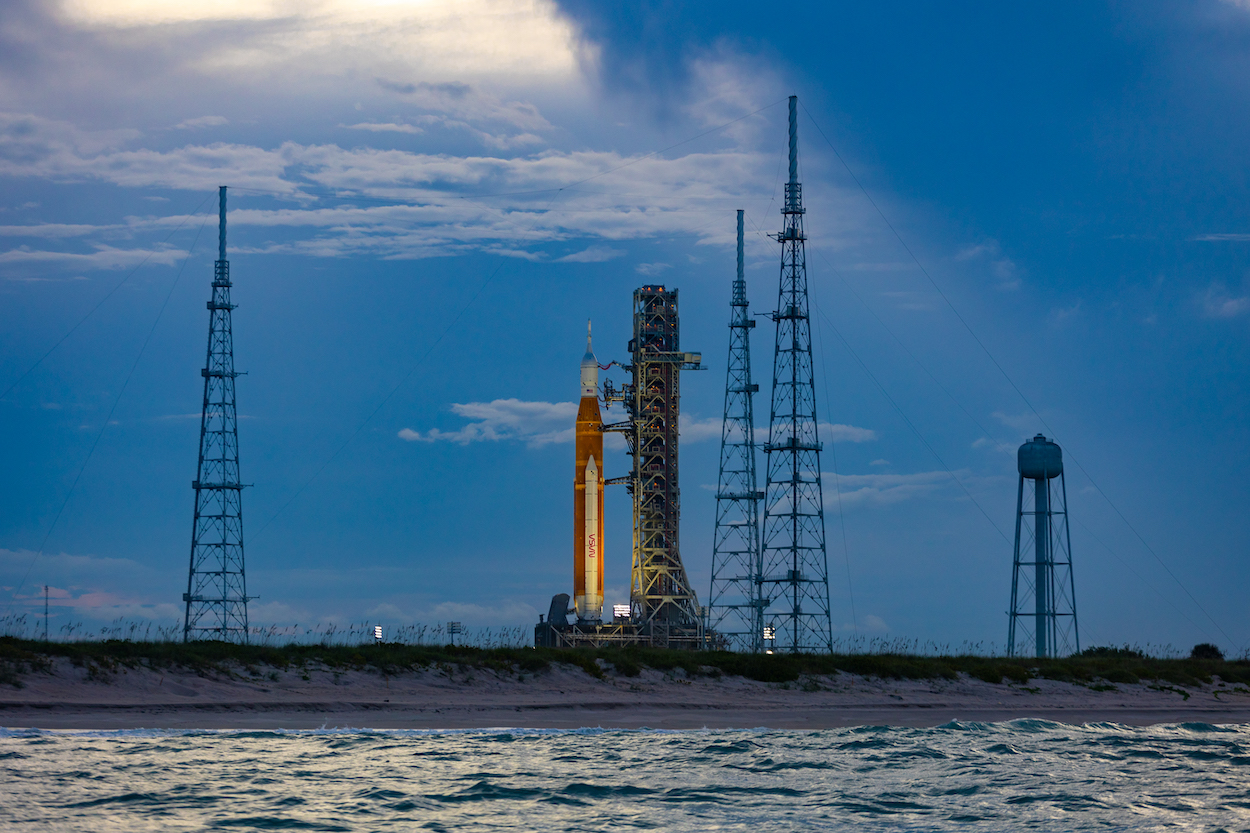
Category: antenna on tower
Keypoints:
(794, 585)
(734, 611)
(216, 597)
(1042, 566)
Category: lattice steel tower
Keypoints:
(663, 604)
(795, 581)
(216, 594)
(734, 611)
(1042, 567)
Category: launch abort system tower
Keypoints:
(735, 616)
(1042, 566)
(794, 587)
(216, 597)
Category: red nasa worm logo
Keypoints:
(591, 549)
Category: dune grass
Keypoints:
(19, 657)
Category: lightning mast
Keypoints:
(794, 585)
(216, 597)
(734, 612)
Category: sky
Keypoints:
(1021, 219)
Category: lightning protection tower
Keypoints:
(734, 612)
(216, 596)
(794, 586)
(1042, 568)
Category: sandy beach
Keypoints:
(564, 697)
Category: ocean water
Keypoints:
(1020, 775)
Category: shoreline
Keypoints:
(565, 697)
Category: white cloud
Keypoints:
(106, 257)
(333, 39)
(1224, 238)
(384, 128)
(534, 423)
(1027, 422)
(879, 463)
(697, 430)
(594, 254)
(838, 433)
(985, 442)
(1001, 267)
(202, 121)
(1218, 302)
(1059, 315)
(635, 197)
(879, 489)
(650, 269)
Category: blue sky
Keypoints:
(430, 199)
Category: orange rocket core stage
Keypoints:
(588, 496)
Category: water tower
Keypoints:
(1043, 599)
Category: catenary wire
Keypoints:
(99, 434)
(107, 295)
(465, 308)
(1011, 381)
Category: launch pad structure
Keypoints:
(664, 610)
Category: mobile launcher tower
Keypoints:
(663, 610)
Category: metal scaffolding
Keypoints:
(216, 597)
(663, 604)
(735, 615)
(794, 586)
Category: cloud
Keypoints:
(882, 489)
(846, 433)
(1003, 268)
(437, 211)
(985, 442)
(1027, 423)
(651, 269)
(82, 586)
(1223, 238)
(879, 463)
(534, 423)
(1059, 315)
(106, 257)
(202, 121)
(594, 254)
(697, 430)
(383, 128)
(1218, 302)
(334, 40)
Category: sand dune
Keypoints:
(564, 697)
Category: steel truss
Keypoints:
(216, 597)
(663, 604)
(794, 585)
(735, 615)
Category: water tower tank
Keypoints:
(1039, 459)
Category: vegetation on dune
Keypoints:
(1095, 666)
